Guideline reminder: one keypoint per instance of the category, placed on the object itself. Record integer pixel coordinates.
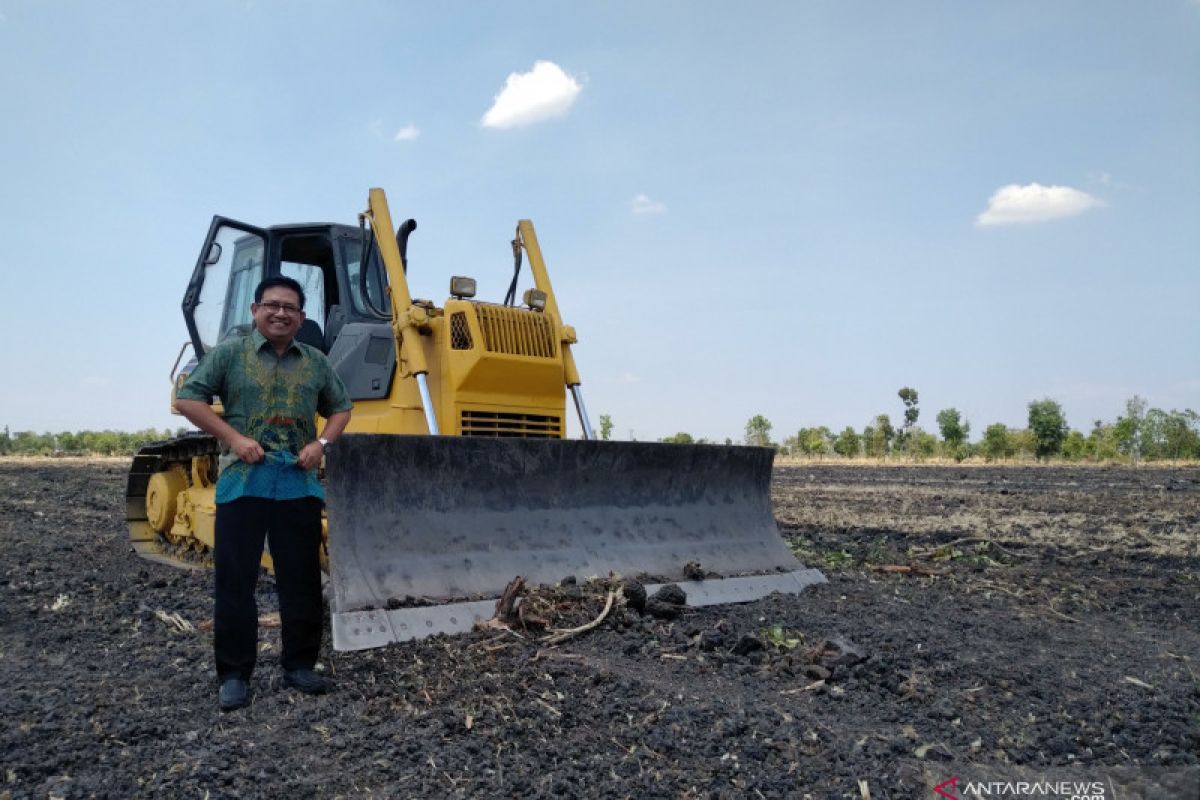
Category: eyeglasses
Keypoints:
(275, 308)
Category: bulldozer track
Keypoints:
(158, 457)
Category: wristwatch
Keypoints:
(324, 444)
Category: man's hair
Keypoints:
(281, 281)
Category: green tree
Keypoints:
(1181, 435)
(1102, 442)
(1154, 434)
(923, 443)
(908, 396)
(954, 428)
(811, 441)
(1024, 445)
(79, 442)
(758, 431)
(1048, 426)
(679, 438)
(847, 443)
(877, 438)
(867, 438)
(70, 442)
(1128, 429)
(996, 443)
(28, 443)
(606, 427)
(107, 443)
(1075, 446)
(1125, 434)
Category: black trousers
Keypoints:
(294, 531)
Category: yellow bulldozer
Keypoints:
(456, 474)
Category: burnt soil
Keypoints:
(1047, 620)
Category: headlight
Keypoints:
(461, 287)
(535, 299)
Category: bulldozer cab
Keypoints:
(326, 260)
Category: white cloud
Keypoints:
(543, 92)
(407, 133)
(1013, 204)
(1108, 183)
(628, 377)
(641, 204)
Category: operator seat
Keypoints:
(310, 334)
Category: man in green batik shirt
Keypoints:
(272, 387)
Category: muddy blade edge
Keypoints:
(449, 521)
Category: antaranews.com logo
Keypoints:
(957, 788)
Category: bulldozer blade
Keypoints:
(425, 529)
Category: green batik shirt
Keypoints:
(274, 400)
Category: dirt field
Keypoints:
(1046, 627)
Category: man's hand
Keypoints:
(310, 456)
(247, 449)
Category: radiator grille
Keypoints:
(516, 331)
(460, 332)
(525, 426)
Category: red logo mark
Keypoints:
(941, 788)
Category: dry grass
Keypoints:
(902, 462)
(65, 459)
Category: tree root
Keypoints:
(562, 636)
(512, 611)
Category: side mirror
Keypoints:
(214, 254)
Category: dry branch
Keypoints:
(1057, 613)
(967, 540)
(997, 587)
(175, 620)
(504, 606)
(905, 569)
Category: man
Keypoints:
(272, 388)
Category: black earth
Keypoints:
(980, 623)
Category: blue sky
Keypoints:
(792, 210)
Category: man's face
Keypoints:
(274, 315)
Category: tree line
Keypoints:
(1140, 434)
(104, 443)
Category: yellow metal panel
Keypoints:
(537, 266)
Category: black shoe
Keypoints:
(234, 694)
(306, 681)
